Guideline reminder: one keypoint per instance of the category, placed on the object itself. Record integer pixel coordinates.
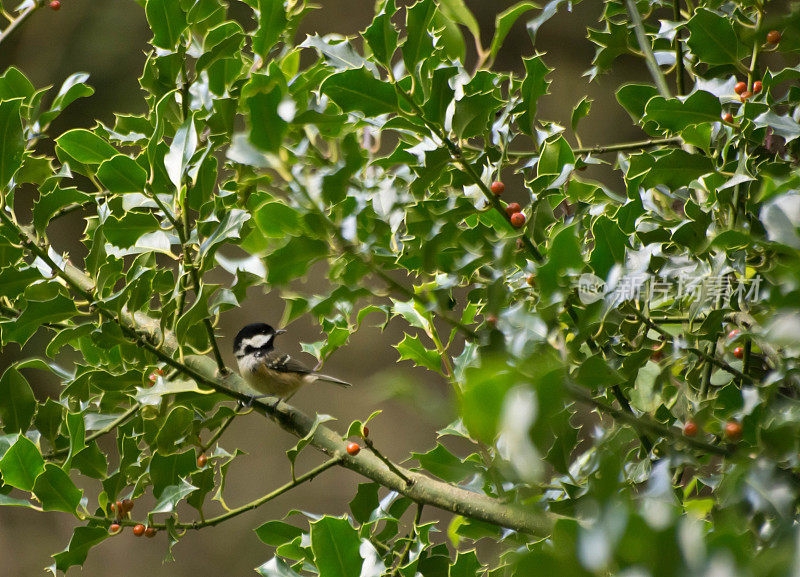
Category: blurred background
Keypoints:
(108, 39)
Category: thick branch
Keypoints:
(145, 331)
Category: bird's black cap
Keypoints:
(252, 330)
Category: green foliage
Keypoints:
(377, 161)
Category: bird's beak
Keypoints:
(280, 331)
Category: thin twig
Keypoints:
(679, 68)
(17, 21)
(387, 462)
(409, 542)
(647, 49)
(195, 525)
(207, 445)
(644, 423)
(597, 149)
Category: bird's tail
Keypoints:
(334, 380)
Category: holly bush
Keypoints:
(622, 355)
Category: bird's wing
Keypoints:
(284, 363)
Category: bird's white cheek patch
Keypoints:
(257, 341)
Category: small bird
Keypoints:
(268, 371)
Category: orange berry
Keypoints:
(738, 352)
(138, 530)
(690, 429)
(773, 37)
(115, 528)
(150, 532)
(517, 220)
(127, 505)
(55, 5)
(531, 280)
(727, 117)
(734, 333)
(757, 87)
(202, 460)
(745, 95)
(353, 449)
(498, 188)
(113, 507)
(120, 509)
(740, 87)
(513, 208)
(733, 430)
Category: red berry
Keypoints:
(738, 352)
(160, 371)
(727, 117)
(513, 208)
(757, 87)
(115, 528)
(365, 431)
(202, 460)
(734, 333)
(733, 430)
(690, 429)
(113, 507)
(353, 449)
(745, 95)
(153, 377)
(773, 37)
(127, 505)
(55, 5)
(150, 532)
(498, 188)
(138, 530)
(120, 509)
(531, 280)
(517, 220)
(740, 87)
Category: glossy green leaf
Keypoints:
(675, 115)
(271, 24)
(335, 544)
(12, 144)
(17, 403)
(85, 146)
(121, 174)
(412, 349)
(83, 539)
(276, 533)
(56, 491)
(505, 20)
(359, 90)
(167, 21)
(21, 464)
(713, 38)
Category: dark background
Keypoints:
(108, 39)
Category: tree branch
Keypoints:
(145, 330)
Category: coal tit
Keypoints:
(268, 371)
